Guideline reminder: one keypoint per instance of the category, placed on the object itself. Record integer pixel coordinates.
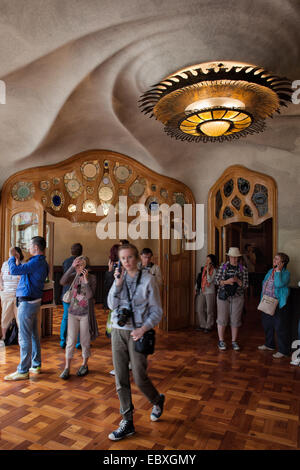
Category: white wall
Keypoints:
(66, 233)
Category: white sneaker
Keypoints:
(263, 347)
(35, 370)
(112, 372)
(278, 355)
(296, 362)
(2, 344)
(17, 376)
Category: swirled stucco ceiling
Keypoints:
(74, 71)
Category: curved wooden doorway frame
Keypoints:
(240, 195)
(84, 177)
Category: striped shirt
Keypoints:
(10, 282)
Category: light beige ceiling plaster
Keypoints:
(74, 71)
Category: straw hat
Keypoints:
(234, 252)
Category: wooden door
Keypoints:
(178, 298)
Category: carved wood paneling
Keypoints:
(228, 204)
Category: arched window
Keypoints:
(240, 195)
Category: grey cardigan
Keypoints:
(146, 302)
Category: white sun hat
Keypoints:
(234, 252)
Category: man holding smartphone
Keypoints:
(29, 295)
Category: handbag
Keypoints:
(68, 294)
(268, 305)
(222, 295)
(146, 344)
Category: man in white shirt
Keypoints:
(146, 263)
(8, 287)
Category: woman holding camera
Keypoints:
(135, 300)
(232, 280)
(81, 315)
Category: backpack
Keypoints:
(11, 336)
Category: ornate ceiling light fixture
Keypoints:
(213, 102)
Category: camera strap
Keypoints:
(130, 298)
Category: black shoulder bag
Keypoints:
(228, 290)
(146, 344)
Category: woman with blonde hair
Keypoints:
(81, 315)
(136, 308)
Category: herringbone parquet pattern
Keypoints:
(214, 400)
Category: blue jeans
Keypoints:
(64, 327)
(277, 323)
(29, 340)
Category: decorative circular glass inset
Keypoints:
(122, 173)
(227, 213)
(152, 203)
(105, 180)
(179, 198)
(236, 202)
(105, 193)
(90, 170)
(56, 180)
(137, 189)
(72, 184)
(89, 206)
(244, 186)
(219, 203)
(57, 200)
(164, 193)
(260, 199)
(228, 188)
(72, 208)
(22, 191)
(44, 185)
(247, 211)
(90, 189)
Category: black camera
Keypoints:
(124, 314)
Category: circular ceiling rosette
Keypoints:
(218, 87)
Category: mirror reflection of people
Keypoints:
(232, 280)
(76, 250)
(249, 257)
(206, 295)
(81, 315)
(147, 264)
(29, 296)
(275, 284)
(139, 287)
(8, 287)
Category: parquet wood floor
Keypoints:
(214, 400)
